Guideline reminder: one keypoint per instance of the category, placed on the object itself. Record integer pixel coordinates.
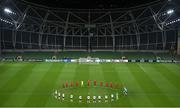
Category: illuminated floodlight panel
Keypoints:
(170, 11)
(9, 11)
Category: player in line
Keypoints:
(125, 91)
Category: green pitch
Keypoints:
(33, 83)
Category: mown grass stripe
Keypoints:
(15, 82)
(166, 87)
(96, 73)
(111, 75)
(6, 66)
(173, 68)
(9, 72)
(133, 87)
(170, 76)
(44, 86)
(22, 94)
(82, 74)
(149, 86)
(67, 73)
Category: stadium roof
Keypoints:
(91, 4)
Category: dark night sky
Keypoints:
(86, 4)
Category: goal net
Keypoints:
(88, 60)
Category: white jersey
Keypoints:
(125, 89)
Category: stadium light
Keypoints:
(9, 11)
(170, 11)
(6, 21)
(173, 21)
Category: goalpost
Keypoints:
(88, 60)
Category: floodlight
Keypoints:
(173, 21)
(170, 11)
(6, 21)
(7, 10)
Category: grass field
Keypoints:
(32, 83)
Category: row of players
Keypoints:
(112, 96)
(58, 95)
(71, 84)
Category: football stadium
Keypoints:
(84, 53)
